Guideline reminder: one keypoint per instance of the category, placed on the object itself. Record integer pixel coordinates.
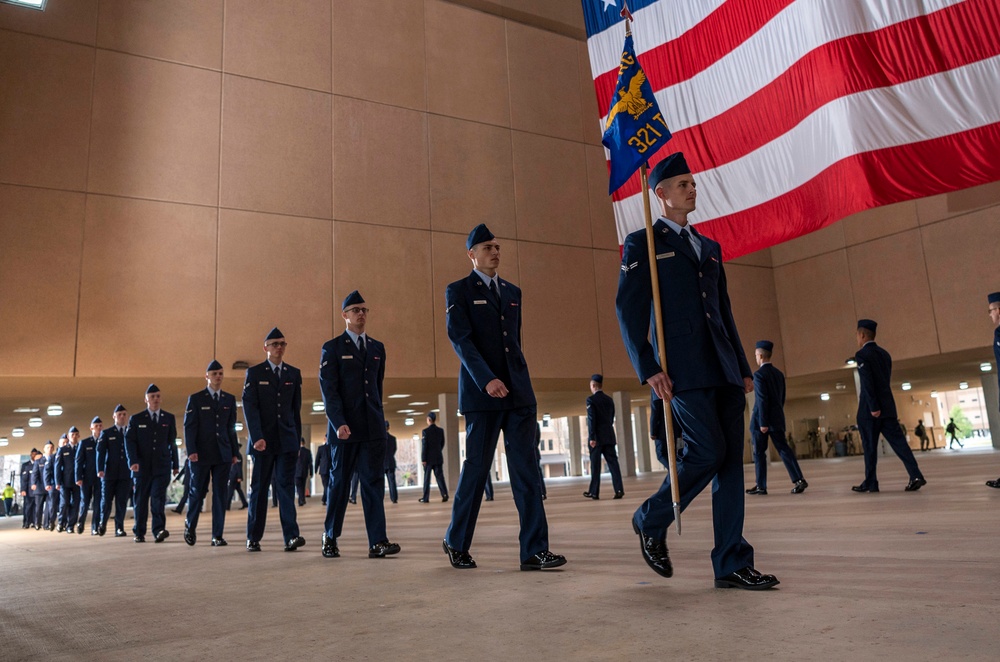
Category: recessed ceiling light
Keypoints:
(400, 395)
(841, 386)
(17, 432)
(407, 421)
(418, 404)
(963, 385)
(26, 410)
(406, 411)
(907, 386)
(4, 441)
(546, 417)
(54, 409)
(934, 394)
(851, 362)
(178, 442)
(318, 405)
(29, 4)
(35, 422)
(985, 367)
(239, 426)
(824, 396)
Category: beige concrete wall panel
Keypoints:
(391, 268)
(276, 148)
(961, 256)
(816, 312)
(450, 263)
(45, 88)
(471, 175)
(71, 20)
(592, 128)
(274, 271)
(879, 222)
(602, 214)
(284, 42)
(890, 286)
(550, 190)
(155, 130)
(755, 309)
(378, 51)
(147, 296)
(370, 142)
(544, 82)
(569, 13)
(761, 258)
(559, 310)
(185, 31)
(828, 239)
(39, 280)
(939, 207)
(614, 359)
(466, 77)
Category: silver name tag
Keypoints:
(479, 302)
(347, 356)
(663, 256)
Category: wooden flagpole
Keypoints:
(668, 418)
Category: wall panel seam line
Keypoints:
(930, 291)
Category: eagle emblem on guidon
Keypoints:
(631, 100)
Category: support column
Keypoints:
(991, 397)
(623, 431)
(575, 446)
(448, 421)
(643, 444)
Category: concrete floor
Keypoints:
(888, 576)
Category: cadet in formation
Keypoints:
(494, 394)
(707, 375)
(351, 372)
(389, 464)
(303, 471)
(236, 480)
(152, 456)
(42, 488)
(210, 441)
(27, 498)
(87, 480)
(113, 470)
(601, 438)
(768, 420)
(272, 407)
(877, 411)
(65, 481)
(994, 302)
(432, 458)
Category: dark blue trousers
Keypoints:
(69, 505)
(488, 488)
(200, 473)
(42, 513)
(761, 460)
(150, 495)
(367, 459)
(712, 424)
(280, 467)
(90, 494)
(870, 429)
(482, 430)
(390, 479)
(115, 490)
(28, 512)
(438, 472)
(611, 457)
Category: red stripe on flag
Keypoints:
(700, 47)
(902, 52)
(906, 172)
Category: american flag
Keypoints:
(796, 113)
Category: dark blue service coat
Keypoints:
(273, 411)
(601, 419)
(769, 399)
(152, 447)
(486, 336)
(875, 371)
(432, 445)
(352, 388)
(111, 456)
(210, 427)
(64, 470)
(86, 461)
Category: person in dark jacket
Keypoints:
(601, 438)
(87, 480)
(65, 481)
(150, 444)
(113, 470)
(236, 480)
(432, 457)
(322, 468)
(303, 471)
(877, 411)
(28, 511)
(390, 464)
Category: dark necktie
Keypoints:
(361, 345)
(493, 290)
(156, 418)
(277, 373)
(215, 396)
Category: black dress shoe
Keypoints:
(422, 500)
(993, 483)
(756, 490)
(543, 560)
(162, 535)
(178, 509)
(330, 550)
(119, 533)
(79, 529)
(380, 550)
(544, 497)
(60, 529)
(189, 535)
(253, 546)
(219, 542)
(139, 538)
(444, 499)
(862, 488)
(800, 486)
(588, 495)
(102, 530)
(352, 501)
(619, 495)
(747, 579)
(915, 484)
(488, 498)
(294, 543)
(654, 552)
(460, 560)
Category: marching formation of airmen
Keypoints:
(705, 383)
